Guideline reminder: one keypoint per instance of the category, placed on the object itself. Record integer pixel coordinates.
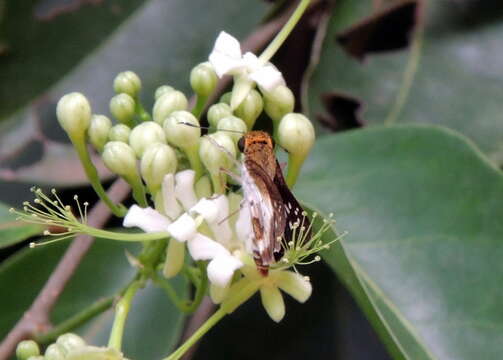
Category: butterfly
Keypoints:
(273, 208)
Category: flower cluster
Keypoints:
(186, 199)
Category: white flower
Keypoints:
(227, 59)
(178, 193)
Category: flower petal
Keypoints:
(184, 188)
(204, 248)
(220, 226)
(221, 269)
(267, 77)
(273, 303)
(146, 219)
(297, 286)
(208, 209)
(175, 256)
(183, 229)
(171, 206)
(242, 86)
(226, 55)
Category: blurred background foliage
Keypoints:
(406, 96)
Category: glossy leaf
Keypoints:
(154, 322)
(422, 207)
(12, 230)
(458, 73)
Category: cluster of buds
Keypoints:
(67, 347)
(183, 182)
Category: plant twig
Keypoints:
(203, 312)
(36, 318)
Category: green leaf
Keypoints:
(153, 326)
(422, 208)
(12, 230)
(458, 78)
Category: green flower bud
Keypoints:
(27, 348)
(144, 135)
(278, 103)
(119, 132)
(203, 79)
(54, 352)
(98, 131)
(157, 161)
(235, 127)
(295, 135)
(120, 158)
(217, 112)
(168, 103)
(250, 108)
(74, 114)
(127, 82)
(178, 133)
(161, 90)
(38, 357)
(70, 342)
(122, 107)
(226, 98)
(215, 152)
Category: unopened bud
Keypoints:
(74, 114)
(120, 158)
(203, 187)
(144, 135)
(250, 108)
(296, 134)
(217, 112)
(119, 132)
(178, 130)
(218, 152)
(157, 161)
(161, 90)
(127, 82)
(98, 131)
(279, 102)
(203, 79)
(226, 98)
(233, 126)
(168, 103)
(70, 342)
(122, 107)
(54, 352)
(26, 349)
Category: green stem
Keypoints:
(192, 153)
(268, 53)
(408, 78)
(218, 182)
(92, 175)
(200, 288)
(212, 321)
(141, 112)
(294, 165)
(121, 313)
(230, 305)
(199, 107)
(76, 320)
(139, 194)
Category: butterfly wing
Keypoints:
(268, 214)
(294, 211)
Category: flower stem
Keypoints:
(294, 165)
(246, 291)
(199, 107)
(269, 52)
(143, 115)
(192, 153)
(76, 320)
(121, 313)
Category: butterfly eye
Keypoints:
(241, 144)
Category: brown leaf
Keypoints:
(386, 30)
(343, 112)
